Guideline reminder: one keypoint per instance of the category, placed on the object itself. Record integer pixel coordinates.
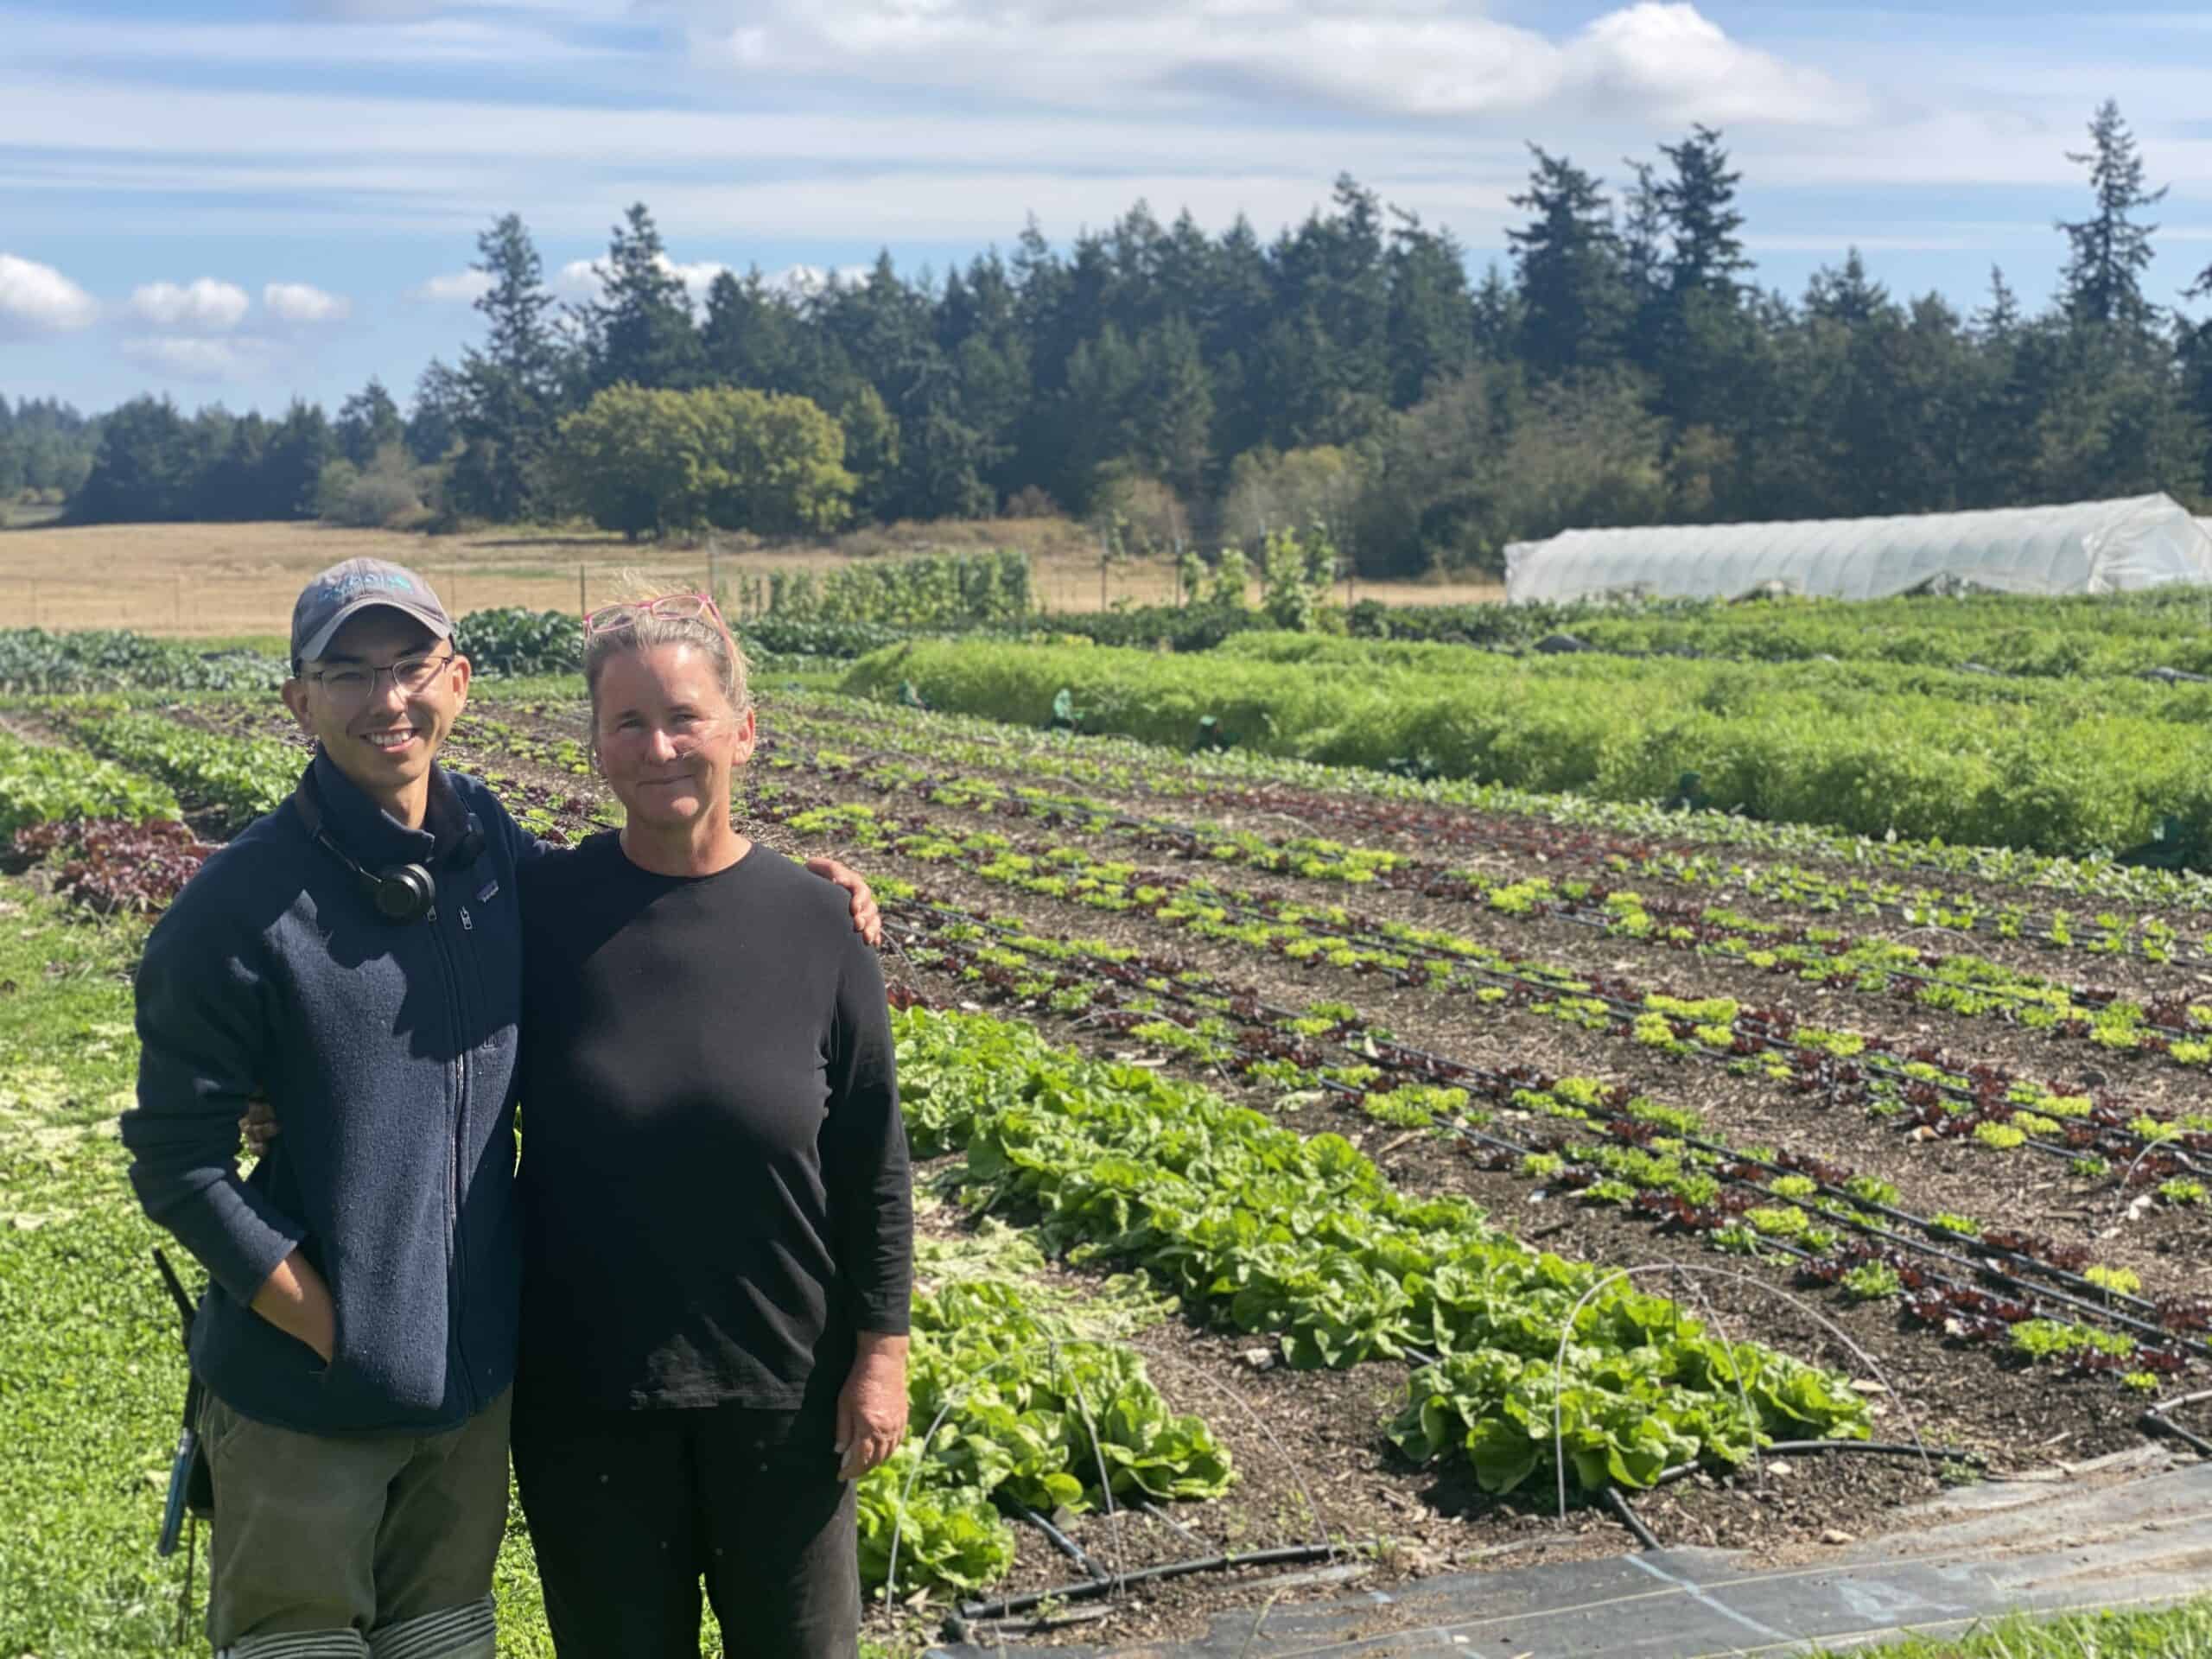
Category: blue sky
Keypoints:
(239, 200)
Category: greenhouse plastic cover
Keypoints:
(2089, 547)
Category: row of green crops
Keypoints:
(246, 776)
(40, 784)
(106, 660)
(1762, 742)
(1304, 1240)
(1119, 764)
(1037, 1416)
(2104, 635)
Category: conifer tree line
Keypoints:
(1179, 387)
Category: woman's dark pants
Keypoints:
(630, 1510)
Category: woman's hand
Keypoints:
(258, 1126)
(868, 922)
(872, 1407)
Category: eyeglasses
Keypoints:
(354, 682)
(609, 619)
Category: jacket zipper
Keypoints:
(455, 1152)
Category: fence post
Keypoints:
(583, 594)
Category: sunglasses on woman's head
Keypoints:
(607, 618)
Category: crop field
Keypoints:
(1380, 1141)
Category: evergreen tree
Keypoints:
(1998, 320)
(441, 404)
(1431, 330)
(1175, 404)
(1697, 206)
(510, 386)
(1849, 296)
(1575, 300)
(368, 423)
(2109, 252)
(300, 445)
(143, 470)
(639, 331)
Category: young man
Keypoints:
(353, 958)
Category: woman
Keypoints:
(717, 1215)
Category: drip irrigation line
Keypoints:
(2158, 1421)
(1065, 1545)
(1007, 1606)
(1497, 1084)
(1162, 1516)
(1631, 1520)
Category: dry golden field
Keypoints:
(231, 579)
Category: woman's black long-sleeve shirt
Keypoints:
(715, 1181)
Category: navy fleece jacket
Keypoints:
(388, 1053)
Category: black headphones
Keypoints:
(400, 893)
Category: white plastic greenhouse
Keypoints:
(2090, 547)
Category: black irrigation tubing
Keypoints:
(2158, 1421)
(1497, 1085)
(1010, 1605)
(1065, 1545)
(2041, 919)
(1631, 1520)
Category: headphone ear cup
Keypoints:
(404, 892)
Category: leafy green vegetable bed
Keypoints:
(2065, 770)
(1304, 1240)
(42, 784)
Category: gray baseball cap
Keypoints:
(352, 586)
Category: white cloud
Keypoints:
(1670, 61)
(189, 357)
(204, 305)
(37, 299)
(1419, 58)
(298, 302)
(580, 279)
(454, 288)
